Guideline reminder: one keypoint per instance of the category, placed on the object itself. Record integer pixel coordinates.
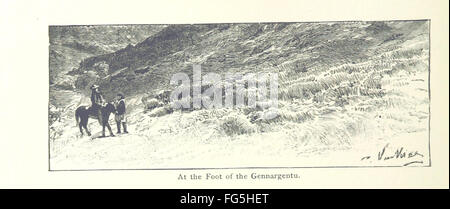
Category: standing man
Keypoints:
(120, 113)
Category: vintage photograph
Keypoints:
(239, 95)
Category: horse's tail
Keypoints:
(77, 116)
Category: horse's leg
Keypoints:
(84, 121)
(81, 128)
(103, 130)
(85, 128)
(100, 117)
(87, 131)
(109, 129)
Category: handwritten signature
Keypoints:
(386, 154)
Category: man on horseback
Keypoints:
(97, 102)
(99, 109)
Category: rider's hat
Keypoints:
(94, 86)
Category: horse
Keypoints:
(83, 113)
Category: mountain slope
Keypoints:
(69, 45)
(243, 47)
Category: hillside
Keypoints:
(346, 89)
(239, 47)
(69, 45)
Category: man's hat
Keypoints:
(94, 86)
(120, 95)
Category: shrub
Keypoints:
(161, 111)
(151, 103)
(237, 125)
(66, 84)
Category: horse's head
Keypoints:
(110, 107)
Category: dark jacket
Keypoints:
(96, 98)
(121, 107)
